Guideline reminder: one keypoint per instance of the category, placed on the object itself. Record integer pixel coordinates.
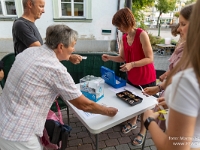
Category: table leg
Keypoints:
(68, 115)
(97, 141)
(144, 140)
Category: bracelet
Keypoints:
(132, 64)
(160, 88)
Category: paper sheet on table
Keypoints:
(88, 115)
(127, 87)
(117, 90)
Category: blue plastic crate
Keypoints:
(110, 78)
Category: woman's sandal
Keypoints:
(127, 130)
(140, 142)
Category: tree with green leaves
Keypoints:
(164, 6)
(137, 7)
(190, 2)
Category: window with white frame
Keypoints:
(72, 9)
(7, 8)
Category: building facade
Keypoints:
(92, 19)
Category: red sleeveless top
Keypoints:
(138, 75)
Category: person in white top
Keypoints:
(182, 96)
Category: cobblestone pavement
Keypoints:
(111, 139)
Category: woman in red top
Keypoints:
(136, 51)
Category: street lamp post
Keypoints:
(129, 4)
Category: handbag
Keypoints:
(56, 133)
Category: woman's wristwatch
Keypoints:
(148, 121)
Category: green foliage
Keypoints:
(189, 2)
(139, 17)
(165, 6)
(141, 4)
(177, 14)
(142, 26)
(155, 40)
(137, 7)
(173, 42)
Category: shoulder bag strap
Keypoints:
(59, 112)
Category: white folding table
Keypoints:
(100, 123)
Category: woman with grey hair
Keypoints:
(36, 78)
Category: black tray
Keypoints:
(129, 97)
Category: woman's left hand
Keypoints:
(150, 113)
(126, 67)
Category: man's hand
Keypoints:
(75, 59)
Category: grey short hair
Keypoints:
(24, 2)
(56, 34)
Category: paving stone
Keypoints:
(71, 148)
(85, 147)
(74, 115)
(82, 134)
(126, 134)
(76, 130)
(148, 135)
(135, 131)
(117, 128)
(102, 144)
(74, 119)
(72, 136)
(75, 142)
(87, 140)
(114, 135)
(111, 142)
(109, 148)
(147, 148)
(84, 128)
(73, 125)
(161, 62)
(124, 140)
(79, 124)
(108, 131)
(153, 148)
(103, 137)
(122, 147)
(149, 142)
